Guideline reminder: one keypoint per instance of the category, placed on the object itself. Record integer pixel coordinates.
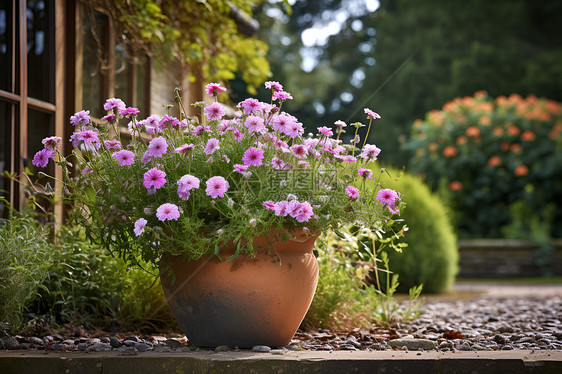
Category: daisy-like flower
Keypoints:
(294, 130)
(272, 85)
(282, 95)
(277, 163)
(303, 213)
(41, 158)
(82, 116)
(167, 211)
(186, 148)
(340, 124)
(254, 124)
(214, 112)
(371, 114)
(365, 173)
(214, 89)
(241, 168)
(112, 144)
(388, 198)
(253, 156)
(189, 182)
(281, 122)
(139, 226)
(325, 131)
(114, 103)
(217, 186)
(157, 147)
(299, 150)
(352, 192)
(154, 178)
(370, 152)
(52, 142)
(212, 145)
(250, 106)
(124, 157)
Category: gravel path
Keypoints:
(482, 317)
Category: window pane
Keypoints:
(40, 49)
(5, 152)
(94, 38)
(122, 75)
(40, 126)
(6, 45)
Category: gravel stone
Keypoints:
(8, 342)
(261, 348)
(413, 344)
(173, 343)
(37, 341)
(114, 342)
(223, 348)
(142, 347)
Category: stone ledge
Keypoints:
(291, 362)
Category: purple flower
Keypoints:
(183, 193)
(388, 197)
(370, 152)
(212, 145)
(213, 89)
(352, 192)
(277, 163)
(269, 204)
(81, 116)
(52, 142)
(128, 111)
(371, 114)
(184, 148)
(325, 131)
(217, 186)
(189, 182)
(214, 112)
(167, 211)
(112, 144)
(237, 134)
(108, 117)
(294, 130)
(281, 122)
(41, 158)
(241, 168)
(299, 150)
(146, 158)
(365, 173)
(272, 85)
(254, 124)
(154, 178)
(166, 122)
(114, 103)
(250, 106)
(124, 157)
(139, 226)
(281, 95)
(281, 208)
(89, 137)
(157, 147)
(303, 212)
(253, 156)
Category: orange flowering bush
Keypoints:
(487, 153)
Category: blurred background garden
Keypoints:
(471, 131)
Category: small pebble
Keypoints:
(261, 348)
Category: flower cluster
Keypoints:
(490, 153)
(189, 184)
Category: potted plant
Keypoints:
(238, 202)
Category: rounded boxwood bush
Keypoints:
(431, 256)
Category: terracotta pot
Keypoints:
(247, 301)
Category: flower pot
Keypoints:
(245, 302)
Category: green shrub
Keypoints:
(431, 257)
(25, 255)
(487, 154)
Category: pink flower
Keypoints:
(213, 89)
(41, 158)
(184, 148)
(112, 144)
(269, 204)
(277, 163)
(370, 152)
(128, 111)
(189, 182)
(352, 192)
(81, 116)
(299, 150)
(281, 122)
(139, 226)
(304, 164)
(167, 211)
(281, 208)
(253, 156)
(157, 147)
(52, 142)
(294, 130)
(281, 95)
(241, 168)
(371, 114)
(89, 137)
(217, 186)
(325, 131)
(340, 124)
(124, 157)
(114, 103)
(250, 106)
(214, 112)
(146, 158)
(347, 158)
(154, 178)
(237, 134)
(388, 197)
(212, 145)
(272, 85)
(303, 213)
(365, 173)
(254, 124)
(108, 117)
(183, 193)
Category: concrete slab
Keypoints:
(291, 362)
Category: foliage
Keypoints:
(25, 255)
(203, 34)
(410, 56)
(259, 171)
(488, 154)
(432, 255)
(347, 294)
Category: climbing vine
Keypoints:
(202, 33)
